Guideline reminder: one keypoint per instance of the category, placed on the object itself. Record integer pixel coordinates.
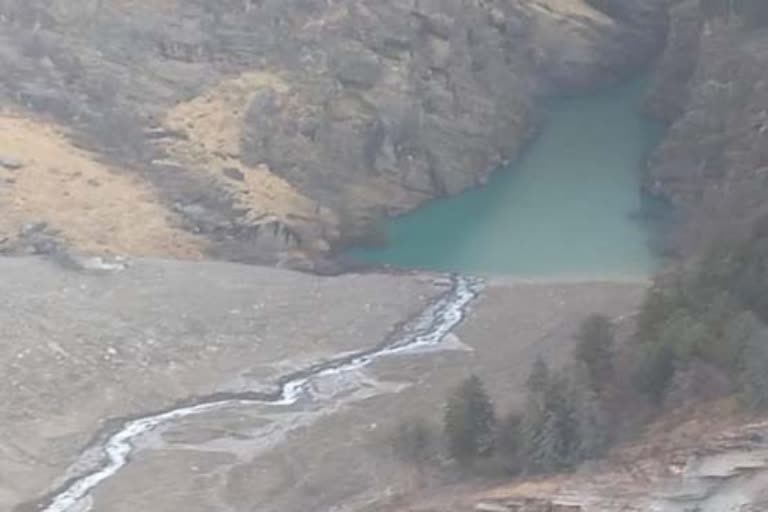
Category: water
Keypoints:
(567, 207)
(429, 329)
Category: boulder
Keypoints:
(7, 162)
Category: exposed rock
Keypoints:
(10, 163)
(31, 228)
(357, 70)
(528, 505)
(713, 163)
(669, 92)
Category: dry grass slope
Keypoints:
(95, 208)
(212, 125)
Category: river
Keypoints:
(114, 447)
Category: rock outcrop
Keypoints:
(712, 87)
(307, 119)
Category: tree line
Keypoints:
(707, 319)
(564, 420)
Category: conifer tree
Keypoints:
(549, 427)
(469, 422)
(754, 375)
(595, 350)
(594, 435)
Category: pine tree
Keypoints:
(595, 350)
(549, 429)
(560, 402)
(469, 422)
(754, 375)
(538, 379)
(592, 422)
(543, 443)
(536, 458)
(654, 371)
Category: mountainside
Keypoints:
(270, 130)
(712, 87)
(274, 131)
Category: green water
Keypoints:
(565, 208)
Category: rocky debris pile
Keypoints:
(34, 238)
(9, 163)
(39, 239)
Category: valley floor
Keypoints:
(78, 349)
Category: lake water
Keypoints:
(567, 207)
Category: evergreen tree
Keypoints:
(654, 371)
(469, 422)
(592, 422)
(561, 405)
(595, 350)
(509, 442)
(549, 432)
(754, 375)
(543, 447)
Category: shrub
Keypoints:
(654, 371)
(414, 441)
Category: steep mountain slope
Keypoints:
(270, 126)
(712, 87)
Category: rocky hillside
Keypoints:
(712, 461)
(269, 130)
(712, 88)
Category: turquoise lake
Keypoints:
(567, 207)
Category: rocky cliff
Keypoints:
(712, 88)
(271, 129)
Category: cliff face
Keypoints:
(268, 126)
(712, 86)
